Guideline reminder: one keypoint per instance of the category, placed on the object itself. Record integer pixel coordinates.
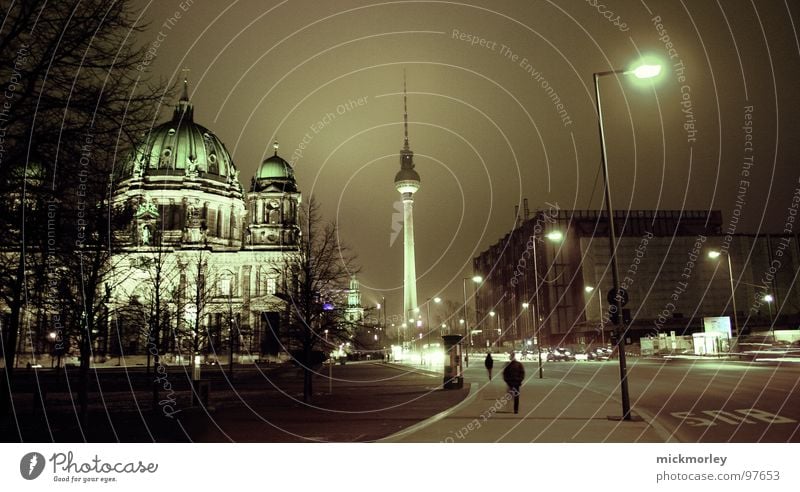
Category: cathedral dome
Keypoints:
(274, 173)
(181, 185)
(179, 151)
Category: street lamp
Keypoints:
(492, 314)
(714, 254)
(769, 299)
(589, 289)
(643, 71)
(467, 335)
(553, 236)
(429, 326)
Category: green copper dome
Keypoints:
(275, 174)
(181, 148)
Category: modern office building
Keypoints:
(674, 286)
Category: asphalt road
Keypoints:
(697, 401)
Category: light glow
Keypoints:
(646, 71)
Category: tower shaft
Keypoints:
(409, 262)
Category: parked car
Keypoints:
(560, 355)
(598, 353)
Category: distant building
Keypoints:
(354, 313)
(663, 263)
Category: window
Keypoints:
(224, 286)
(272, 284)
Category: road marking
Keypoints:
(731, 418)
(728, 417)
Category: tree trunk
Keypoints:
(307, 375)
(10, 341)
(83, 378)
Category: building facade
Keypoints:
(663, 259)
(200, 248)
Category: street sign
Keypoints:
(612, 296)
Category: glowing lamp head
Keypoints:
(646, 71)
(714, 254)
(768, 298)
(554, 236)
(588, 288)
(477, 279)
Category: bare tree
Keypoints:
(76, 105)
(199, 289)
(322, 269)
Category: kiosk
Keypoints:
(453, 358)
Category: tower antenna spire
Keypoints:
(405, 111)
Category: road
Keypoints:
(695, 401)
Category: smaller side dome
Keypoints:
(274, 173)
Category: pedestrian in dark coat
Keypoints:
(513, 375)
(489, 363)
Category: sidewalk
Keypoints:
(550, 411)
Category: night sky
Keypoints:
(483, 77)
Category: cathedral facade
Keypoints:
(197, 248)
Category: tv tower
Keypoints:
(406, 182)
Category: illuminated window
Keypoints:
(272, 284)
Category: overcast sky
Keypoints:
(484, 123)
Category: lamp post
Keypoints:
(429, 326)
(644, 71)
(492, 314)
(769, 299)
(467, 334)
(714, 254)
(553, 236)
(525, 307)
(589, 290)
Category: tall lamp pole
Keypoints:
(429, 326)
(589, 290)
(714, 254)
(467, 334)
(643, 72)
(553, 236)
(768, 298)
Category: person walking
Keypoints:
(513, 375)
(489, 363)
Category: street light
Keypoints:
(769, 299)
(429, 326)
(643, 71)
(589, 289)
(467, 335)
(714, 254)
(555, 236)
(492, 314)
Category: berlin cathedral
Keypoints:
(220, 251)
